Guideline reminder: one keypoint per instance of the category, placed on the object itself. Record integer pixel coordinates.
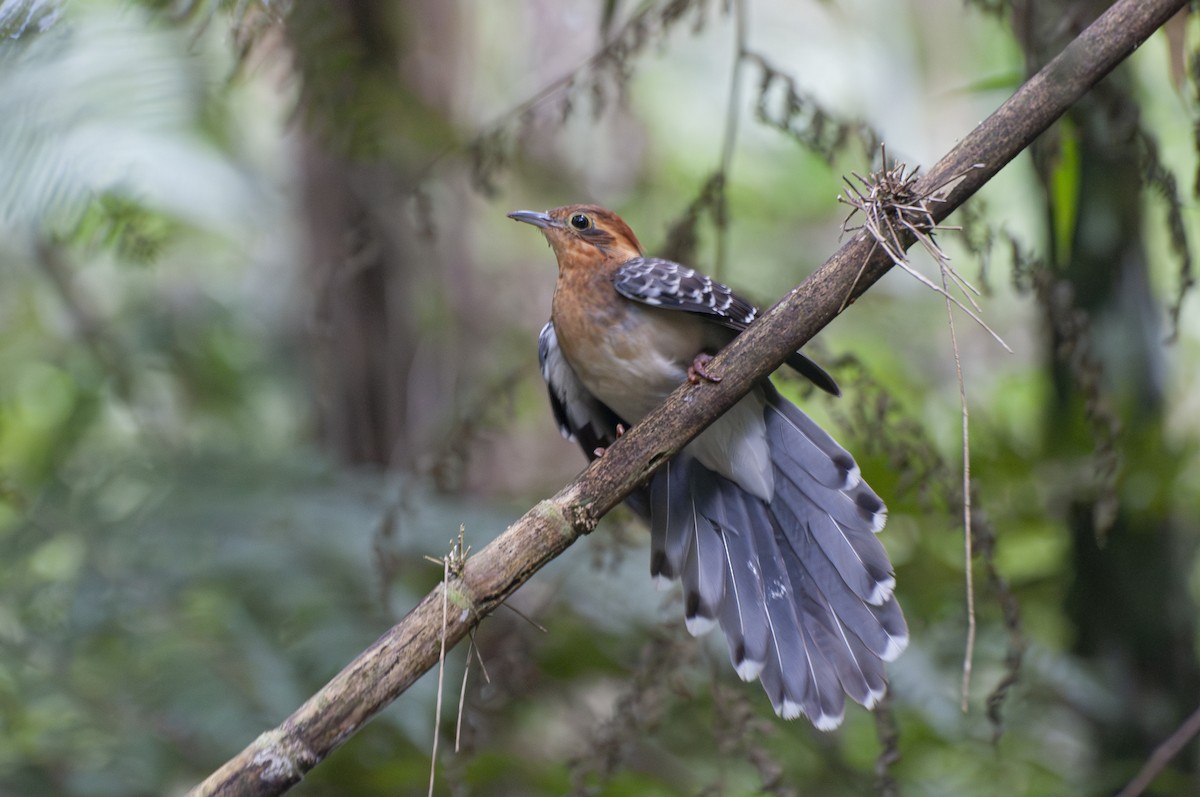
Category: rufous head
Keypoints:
(584, 231)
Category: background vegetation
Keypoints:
(267, 340)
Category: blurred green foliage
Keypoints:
(185, 556)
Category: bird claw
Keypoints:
(599, 450)
(698, 370)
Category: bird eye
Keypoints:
(580, 221)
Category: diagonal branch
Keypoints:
(279, 758)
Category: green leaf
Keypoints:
(1064, 191)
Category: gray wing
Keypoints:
(580, 416)
(671, 286)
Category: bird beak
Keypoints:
(542, 220)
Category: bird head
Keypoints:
(581, 230)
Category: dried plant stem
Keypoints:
(437, 712)
(892, 207)
(968, 554)
(453, 564)
(462, 694)
(472, 648)
(889, 206)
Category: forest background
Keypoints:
(268, 340)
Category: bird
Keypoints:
(764, 518)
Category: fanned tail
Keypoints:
(801, 585)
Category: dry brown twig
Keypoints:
(892, 208)
(1162, 756)
(462, 692)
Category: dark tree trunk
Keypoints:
(374, 91)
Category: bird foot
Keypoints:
(698, 370)
(599, 450)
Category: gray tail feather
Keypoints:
(744, 614)
(801, 587)
(797, 675)
(672, 519)
(855, 552)
(839, 621)
(684, 543)
(811, 446)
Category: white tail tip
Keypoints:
(748, 669)
(699, 626)
(895, 647)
